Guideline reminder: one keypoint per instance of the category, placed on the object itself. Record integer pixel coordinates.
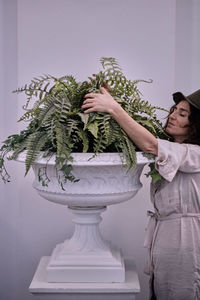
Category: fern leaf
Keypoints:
(99, 144)
(84, 119)
(18, 149)
(63, 144)
(47, 111)
(129, 151)
(93, 128)
(85, 140)
(104, 125)
(35, 143)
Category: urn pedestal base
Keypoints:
(86, 257)
(97, 269)
(43, 290)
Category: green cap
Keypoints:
(193, 99)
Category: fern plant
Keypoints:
(57, 125)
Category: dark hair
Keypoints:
(194, 119)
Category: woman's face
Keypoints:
(178, 122)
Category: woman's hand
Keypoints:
(102, 102)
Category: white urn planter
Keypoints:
(103, 180)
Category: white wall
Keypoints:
(195, 46)
(187, 46)
(9, 214)
(150, 40)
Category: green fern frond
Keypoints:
(104, 125)
(50, 128)
(18, 149)
(35, 143)
(72, 128)
(64, 145)
(3, 172)
(99, 144)
(129, 151)
(47, 112)
(85, 140)
(38, 87)
(115, 133)
(93, 127)
(84, 119)
(62, 105)
(30, 114)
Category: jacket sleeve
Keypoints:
(173, 157)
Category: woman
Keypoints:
(173, 234)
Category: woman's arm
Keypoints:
(104, 102)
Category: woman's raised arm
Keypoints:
(104, 102)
